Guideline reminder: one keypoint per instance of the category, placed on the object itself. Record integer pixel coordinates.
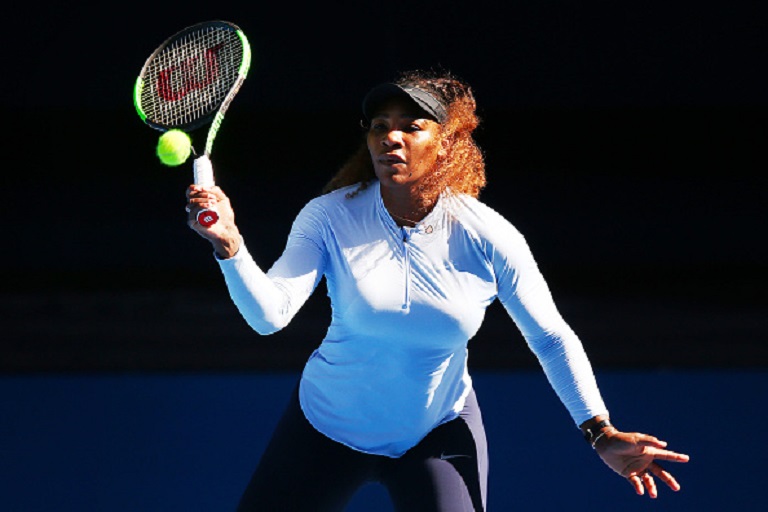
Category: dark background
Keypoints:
(625, 140)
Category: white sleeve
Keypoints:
(527, 298)
(268, 301)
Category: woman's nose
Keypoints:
(393, 138)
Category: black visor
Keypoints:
(424, 100)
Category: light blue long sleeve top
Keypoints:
(405, 302)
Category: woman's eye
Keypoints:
(412, 128)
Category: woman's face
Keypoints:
(402, 143)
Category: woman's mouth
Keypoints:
(391, 159)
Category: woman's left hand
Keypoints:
(633, 455)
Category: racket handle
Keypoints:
(204, 176)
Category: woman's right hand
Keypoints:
(223, 235)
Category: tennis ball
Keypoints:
(174, 147)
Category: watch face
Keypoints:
(591, 432)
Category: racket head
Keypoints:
(191, 78)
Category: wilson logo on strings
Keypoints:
(177, 81)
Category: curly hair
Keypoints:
(460, 168)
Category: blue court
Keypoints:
(188, 442)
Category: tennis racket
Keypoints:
(189, 81)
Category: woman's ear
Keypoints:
(444, 145)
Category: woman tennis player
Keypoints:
(411, 260)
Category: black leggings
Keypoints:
(303, 470)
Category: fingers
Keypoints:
(649, 440)
(196, 191)
(672, 456)
(665, 476)
(201, 203)
(654, 447)
(201, 198)
(636, 482)
(667, 455)
(634, 455)
(650, 485)
(643, 480)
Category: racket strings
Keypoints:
(190, 78)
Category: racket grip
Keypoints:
(203, 171)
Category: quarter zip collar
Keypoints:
(408, 239)
(427, 225)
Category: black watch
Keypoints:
(591, 433)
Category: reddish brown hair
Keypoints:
(460, 167)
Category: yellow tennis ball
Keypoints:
(174, 147)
